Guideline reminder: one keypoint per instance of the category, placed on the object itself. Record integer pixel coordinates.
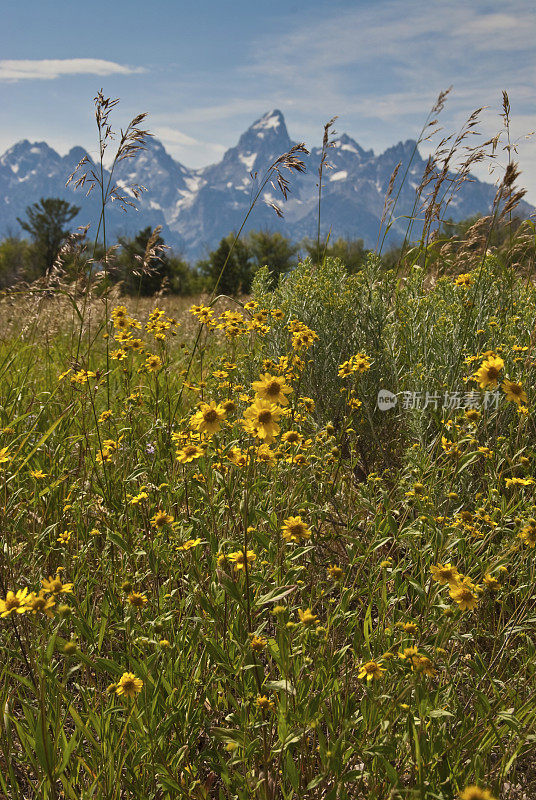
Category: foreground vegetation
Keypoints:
(229, 571)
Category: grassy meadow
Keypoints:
(227, 573)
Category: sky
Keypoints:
(205, 70)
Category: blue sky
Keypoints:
(205, 70)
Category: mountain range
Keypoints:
(197, 207)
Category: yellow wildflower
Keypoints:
(189, 452)
(238, 559)
(153, 363)
(261, 419)
(161, 518)
(129, 685)
(464, 595)
(209, 418)
(488, 373)
(14, 603)
(295, 530)
(188, 545)
(272, 388)
(41, 602)
(56, 586)
(528, 533)
(137, 600)
(307, 617)
(371, 670)
(514, 392)
(445, 573)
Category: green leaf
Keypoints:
(275, 594)
(43, 745)
(280, 686)
(367, 624)
(232, 589)
(118, 540)
(439, 712)
(229, 734)
(67, 752)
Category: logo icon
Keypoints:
(386, 400)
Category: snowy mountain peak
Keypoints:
(15, 151)
(25, 146)
(272, 120)
(28, 151)
(264, 141)
(266, 133)
(26, 159)
(346, 144)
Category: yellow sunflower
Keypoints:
(41, 602)
(488, 373)
(265, 454)
(445, 573)
(371, 670)
(475, 793)
(153, 363)
(209, 418)
(295, 530)
(239, 561)
(129, 685)
(272, 388)
(528, 533)
(514, 392)
(161, 518)
(15, 603)
(137, 600)
(189, 453)
(56, 586)
(261, 419)
(464, 595)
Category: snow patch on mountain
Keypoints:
(193, 182)
(248, 161)
(350, 148)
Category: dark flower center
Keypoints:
(273, 388)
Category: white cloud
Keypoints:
(407, 49)
(174, 136)
(192, 152)
(410, 31)
(51, 68)
(178, 141)
(381, 65)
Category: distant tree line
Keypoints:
(143, 265)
